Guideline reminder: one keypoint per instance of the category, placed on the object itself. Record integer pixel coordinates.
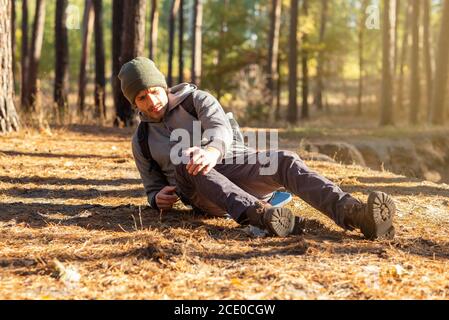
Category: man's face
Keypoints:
(152, 102)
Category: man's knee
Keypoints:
(287, 159)
(286, 155)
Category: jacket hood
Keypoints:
(176, 95)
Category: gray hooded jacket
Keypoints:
(213, 119)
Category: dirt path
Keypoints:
(73, 224)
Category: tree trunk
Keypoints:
(154, 25)
(320, 62)
(61, 88)
(277, 113)
(117, 29)
(25, 55)
(403, 58)
(273, 51)
(181, 42)
(361, 57)
(133, 43)
(221, 52)
(414, 76)
(100, 81)
(427, 47)
(88, 21)
(197, 42)
(305, 67)
(35, 56)
(397, 12)
(13, 39)
(442, 69)
(293, 64)
(388, 41)
(171, 39)
(8, 116)
(134, 30)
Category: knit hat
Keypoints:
(139, 74)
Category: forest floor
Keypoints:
(74, 225)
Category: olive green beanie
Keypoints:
(139, 74)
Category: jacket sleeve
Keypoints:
(153, 180)
(217, 129)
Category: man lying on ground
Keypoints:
(219, 175)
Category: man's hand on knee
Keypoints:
(202, 160)
(166, 198)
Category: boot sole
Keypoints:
(280, 221)
(381, 209)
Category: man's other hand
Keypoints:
(166, 198)
(202, 160)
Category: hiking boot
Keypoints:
(278, 221)
(300, 226)
(374, 219)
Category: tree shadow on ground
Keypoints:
(57, 155)
(370, 180)
(395, 189)
(99, 130)
(423, 247)
(122, 218)
(89, 194)
(70, 181)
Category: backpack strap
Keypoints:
(142, 137)
(188, 105)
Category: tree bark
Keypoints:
(293, 64)
(222, 37)
(320, 62)
(442, 69)
(61, 88)
(403, 58)
(415, 68)
(171, 38)
(12, 4)
(181, 42)
(273, 51)
(197, 42)
(427, 55)
(88, 21)
(117, 29)
(25, 55)
(100, 81)
(133, 43)
(305, 67)
(35, 56)
(8, 116)
(397, 12)
(277, 115)
(388, 43)
(154, 26)
(361, 57)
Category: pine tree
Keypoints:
(8, 116)
(442, 70)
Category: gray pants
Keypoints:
(232, 188)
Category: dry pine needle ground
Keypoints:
(74, 225)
